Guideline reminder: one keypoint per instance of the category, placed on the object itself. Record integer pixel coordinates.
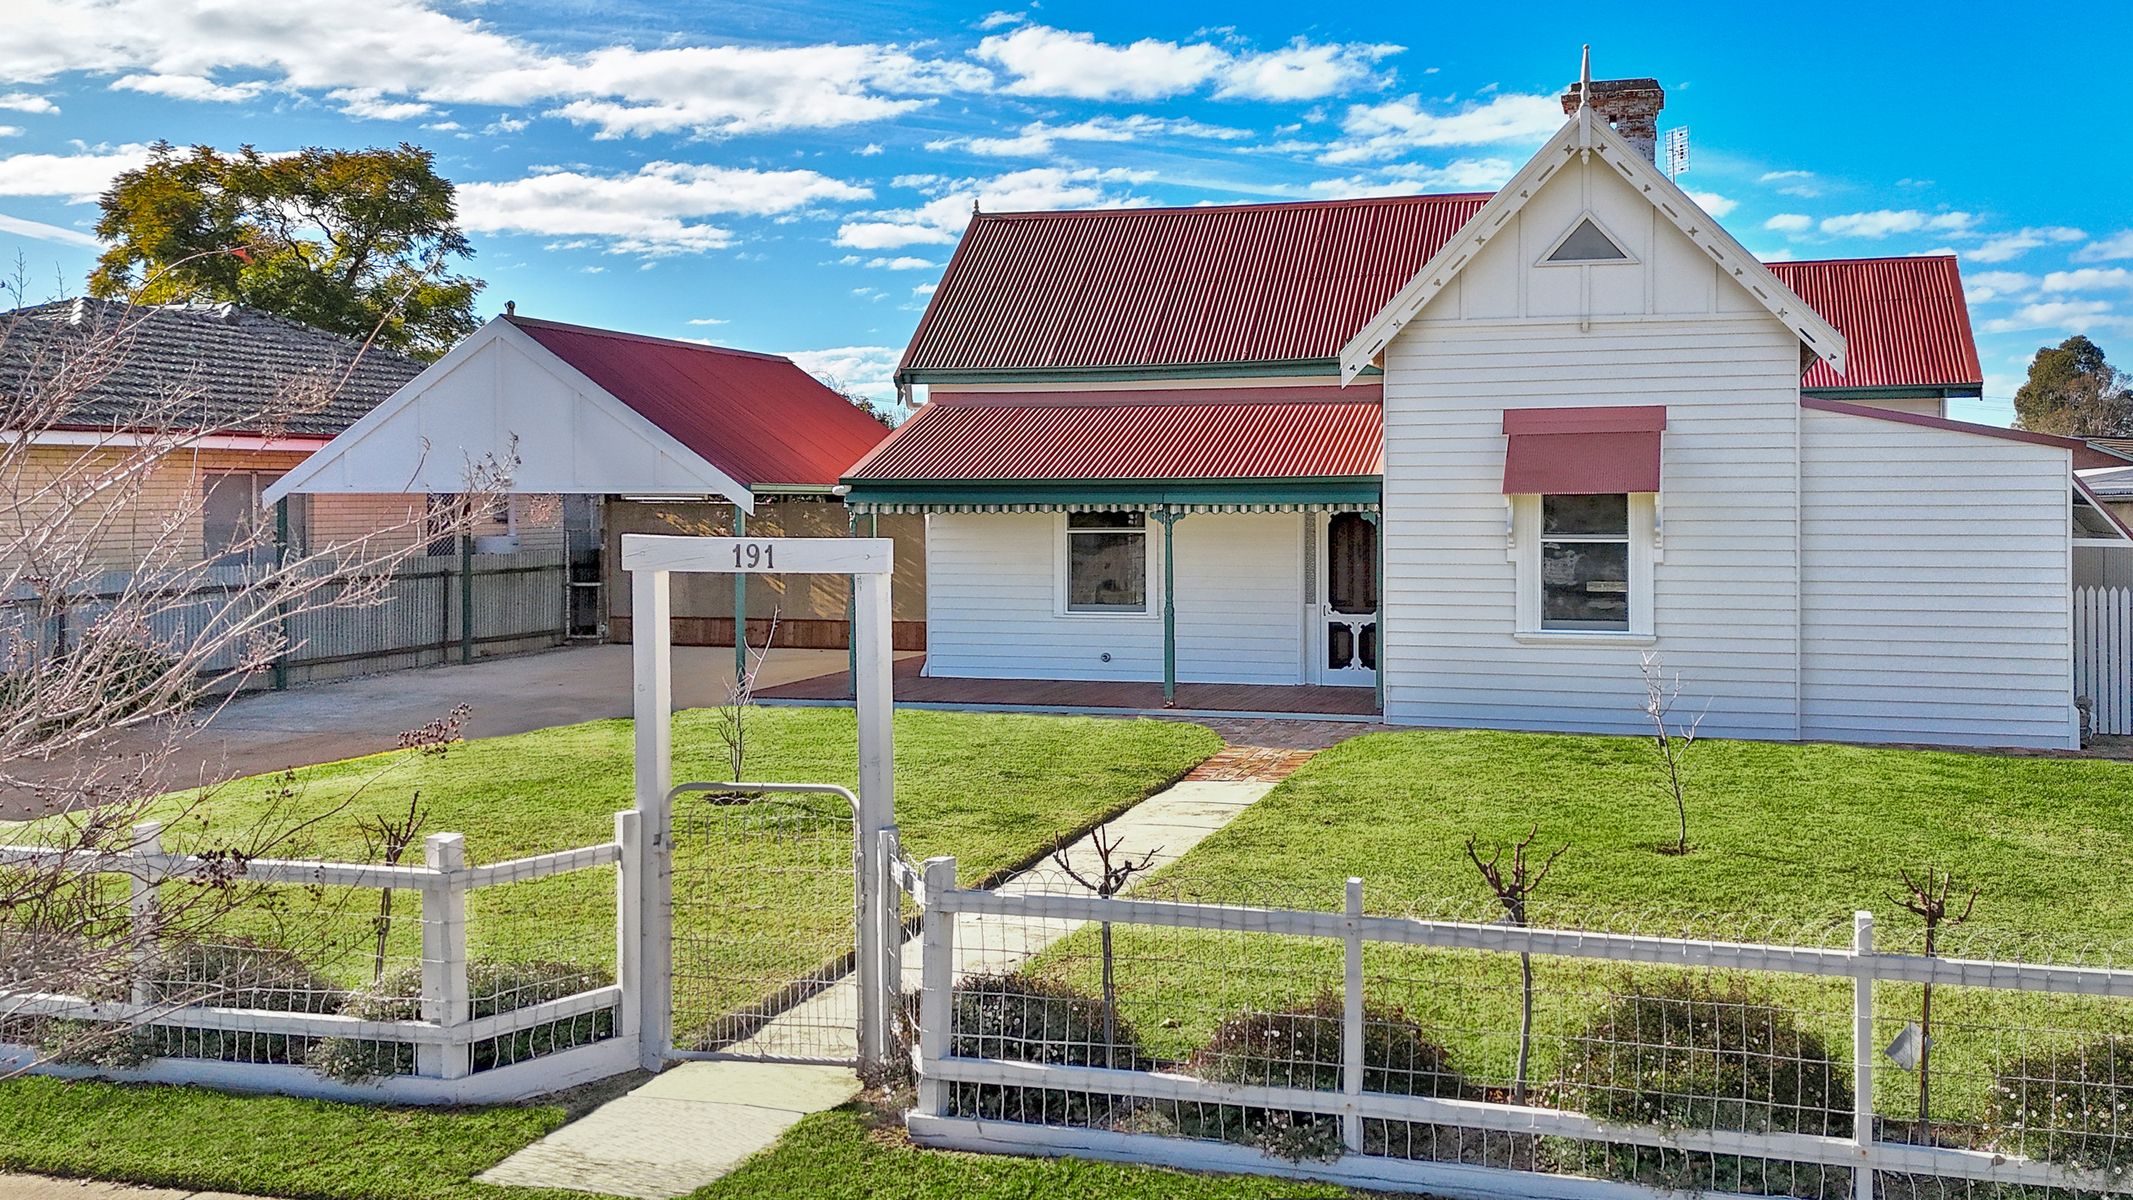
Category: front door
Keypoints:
(1347, 645)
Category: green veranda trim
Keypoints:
(1287, 495)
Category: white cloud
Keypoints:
(384, 56)
(1885, 222)
(188, 87)
(1044, 61)
(1371, 132)
(78, 178)
(924, 289)
(901, 262)
(998, 20)
(1400, 179)
(1302, 71)
(1713, 203)
(2089, 279)
(505, 125)
(654, 211)
(867, 370)
(2074, 315)
(24, 227)
(1039, 137)
(869, 150)
(370, 104)
(2006, 246)
(2118, 245)
(10, 131)
(707, 320)
(940, 219)
(1980, 287)
(1790, 223)
(27, 102)
(1056, 62)
(1803, 184)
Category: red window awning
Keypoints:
(1582, 451)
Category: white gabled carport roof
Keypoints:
(1585, 133)
(501, 397)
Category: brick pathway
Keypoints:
(1252, 764)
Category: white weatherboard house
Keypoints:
(1463, 460)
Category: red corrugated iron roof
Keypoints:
(1903, 319)
(1290, 283)
(1183, 434)
(757, 417)
(1175, 286)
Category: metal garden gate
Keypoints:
(766, 922)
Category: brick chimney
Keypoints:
(1629, 106)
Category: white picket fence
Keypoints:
(2103, 656)
(445, 1036)
(1006, 918)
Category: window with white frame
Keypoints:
(1584, 563)
(1106, 562)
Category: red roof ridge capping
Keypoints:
(1208, 436)
(1366, 392)
(678, 343)
(756, 417)
(2085, 455)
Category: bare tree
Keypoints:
(1512, 891)
(1673, 741)
(386, 839)
(1928, 899)
(121, 635)
(1114, 870)
(733, 716)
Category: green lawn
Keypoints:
(1786, 842)
(752, 908)
(310, 1150)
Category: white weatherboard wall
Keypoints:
(992, 587)
(1666, 329)
(1935, 586)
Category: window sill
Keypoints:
(1564, 637)
(1127, 615)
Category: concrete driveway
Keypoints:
(272, 731)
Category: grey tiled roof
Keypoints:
(218, 367)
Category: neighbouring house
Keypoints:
(653, 436)
(237, 395)
(1465, 460)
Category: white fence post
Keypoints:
(1863, 1054)
(142, 883)
(629, 919)
(445, 998)
(936, 1004)
(1352, 1018)
(651, 651)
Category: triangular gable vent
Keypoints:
(1587, 244)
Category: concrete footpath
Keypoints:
(39, 1187)
(697, 1121)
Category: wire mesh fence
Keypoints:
(1367, 1038)
(360, 974)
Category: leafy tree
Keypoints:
(354, 241)
(2072, 391)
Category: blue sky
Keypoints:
(792, 177)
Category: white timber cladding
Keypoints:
(992, 608)
(1934, 586)
(1669, 328)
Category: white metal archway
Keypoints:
(651, 561)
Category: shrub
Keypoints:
(495, 987)
(236, 973)
(1022, 1018)
(1685, 1052)
(1300, 1047)
(2067, 1107)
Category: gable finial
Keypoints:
(974, 206)
(1585, 76)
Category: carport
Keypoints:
(569, 410)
